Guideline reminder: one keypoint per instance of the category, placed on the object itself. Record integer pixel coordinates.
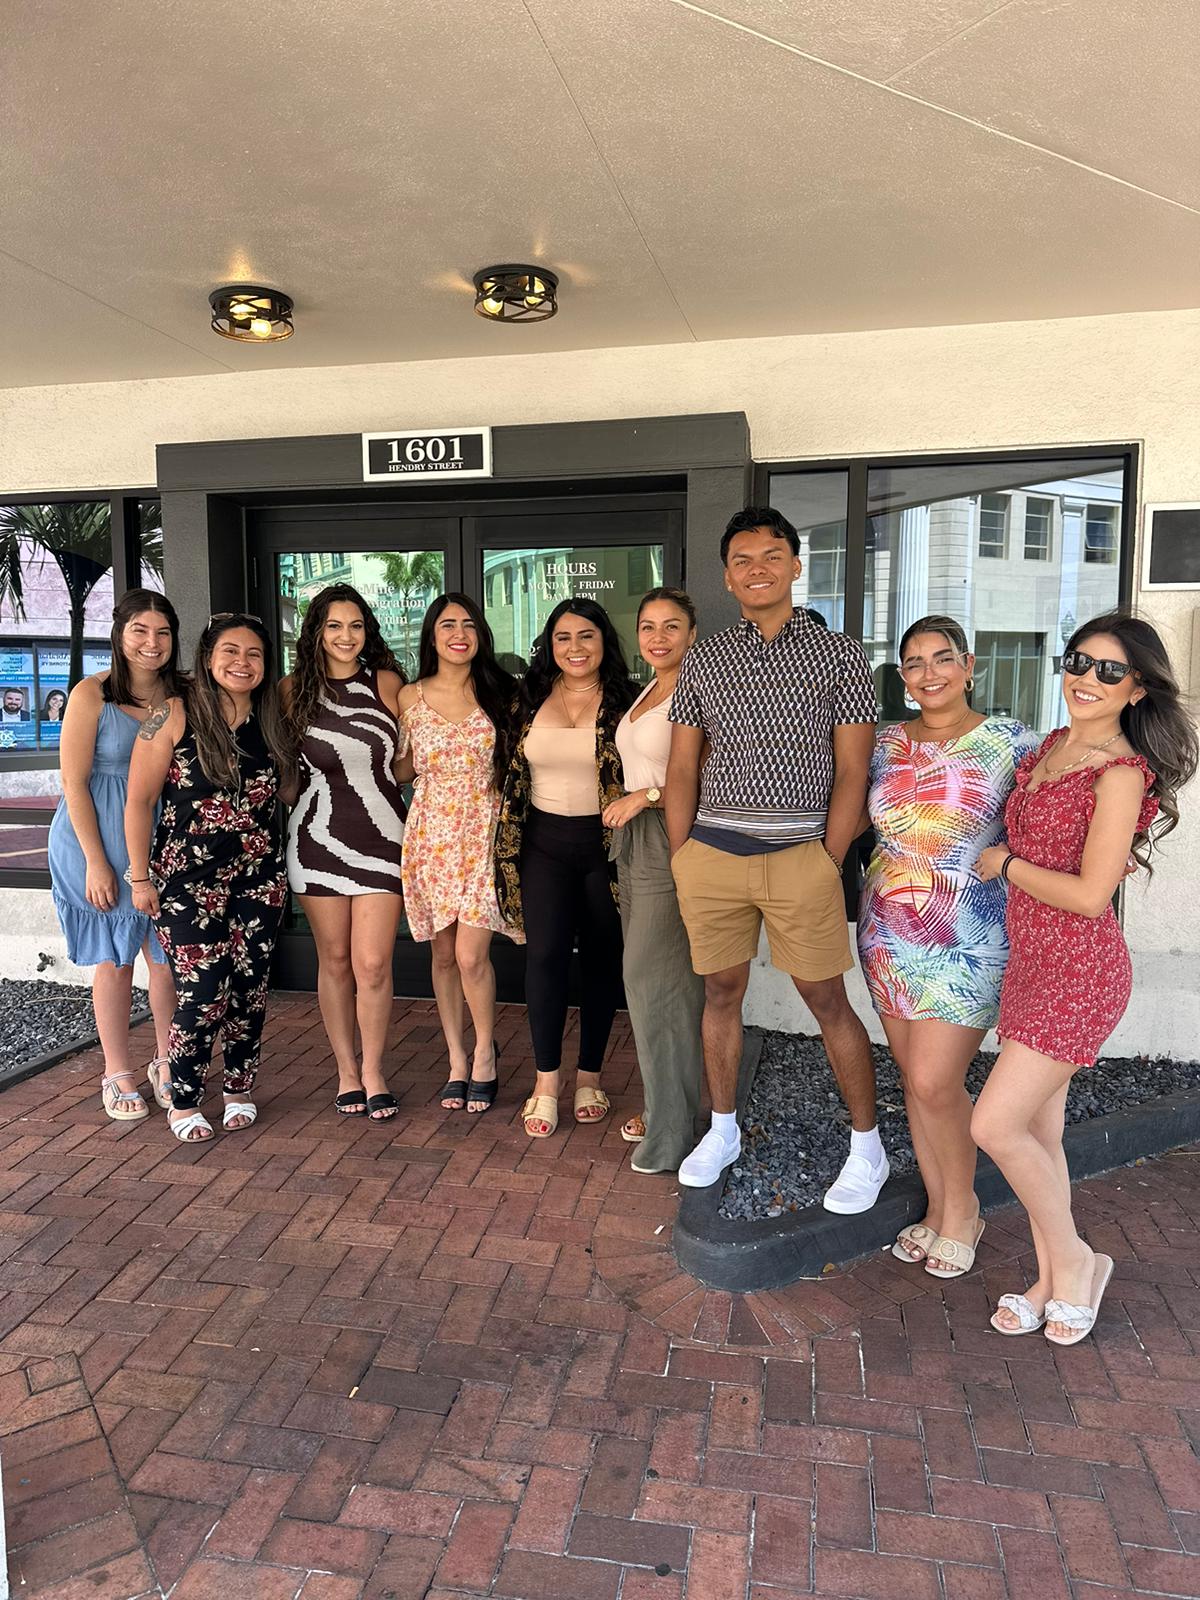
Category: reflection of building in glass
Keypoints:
(1019, 568)
(397, 585)
(522, 587)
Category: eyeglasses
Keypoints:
(230, 616)
(1078, 663)
(943, 659)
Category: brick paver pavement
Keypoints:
(434, 1358)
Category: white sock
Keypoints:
(725, 1123)
(867, 1145)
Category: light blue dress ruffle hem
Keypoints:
(93, 936)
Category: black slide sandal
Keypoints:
(386, 1103)
(455, 1090)
(351, 1104)
(486, 1090)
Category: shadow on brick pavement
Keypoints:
(432, 1358)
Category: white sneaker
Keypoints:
(709, 1159)
(856, 1187)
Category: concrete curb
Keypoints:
(768, 1254)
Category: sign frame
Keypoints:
(1148, 517)
(439, 472)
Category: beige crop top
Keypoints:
(562, 770)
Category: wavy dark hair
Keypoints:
(1159, 726)
(617, 689)
(118, 686)
(495, 690)
(308, 675)
(204, 705)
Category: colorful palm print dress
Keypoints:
(931, 936)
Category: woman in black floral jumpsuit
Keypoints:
(215, 883)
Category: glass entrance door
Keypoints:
(517, 565)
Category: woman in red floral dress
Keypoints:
(1085, 798)
(215, 884)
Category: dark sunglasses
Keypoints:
(1078, 662)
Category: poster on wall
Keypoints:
(53, 676)
(17, 725)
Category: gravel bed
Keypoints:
(795, 1132)
(36, 1018)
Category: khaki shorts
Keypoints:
(725, 899)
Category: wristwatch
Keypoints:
(653, 795)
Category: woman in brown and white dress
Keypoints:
(346, 829)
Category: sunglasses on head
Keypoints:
(1078, 662)
(234, 616)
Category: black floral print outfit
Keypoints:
(221, 890)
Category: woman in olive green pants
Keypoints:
(664, 995)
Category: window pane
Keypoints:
(1039, 515)
(397, 585)
(150, 529)
(55, 615)
(522, 588)
(937, 543)
(23, 844)
(815, 503)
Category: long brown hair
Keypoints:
(118, 686)
(204, 705)
(308, 675)
(1158, 727)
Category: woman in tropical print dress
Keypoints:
(930, 934)
(215, 882)
(456, 718)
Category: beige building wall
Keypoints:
(1094, 380)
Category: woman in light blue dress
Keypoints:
(88, 858)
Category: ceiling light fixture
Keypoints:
(251, 314)
(516, 294)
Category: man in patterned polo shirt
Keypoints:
(760, 827)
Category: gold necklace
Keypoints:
(571, 689)
(942, 734)
(573, 722)
(1092, 749)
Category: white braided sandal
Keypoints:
(1080, 1319)
(238, 1108)
(1022, 1309)
(184, 1128)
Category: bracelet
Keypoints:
(840, 865)
(131, 880)
(1008, 860)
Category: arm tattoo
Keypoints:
(153, 721)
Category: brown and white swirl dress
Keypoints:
(346, 828)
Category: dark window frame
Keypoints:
(859, 468)
(126, 572)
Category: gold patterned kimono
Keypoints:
(516, 799)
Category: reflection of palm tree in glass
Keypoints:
(418, 572)
(77, 536)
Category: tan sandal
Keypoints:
(122, 1105)
(540, 1108)
(920, 1236)
(959, 1257)
(634, 1131)
(586, 1097)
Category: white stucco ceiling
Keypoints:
(692, 171)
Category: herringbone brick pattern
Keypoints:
(435, 1359)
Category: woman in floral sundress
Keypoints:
(214, 882)
(455, 722)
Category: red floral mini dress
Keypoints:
(1069, 976)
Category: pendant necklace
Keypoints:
(1092, 749)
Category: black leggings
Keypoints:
(566, 890)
